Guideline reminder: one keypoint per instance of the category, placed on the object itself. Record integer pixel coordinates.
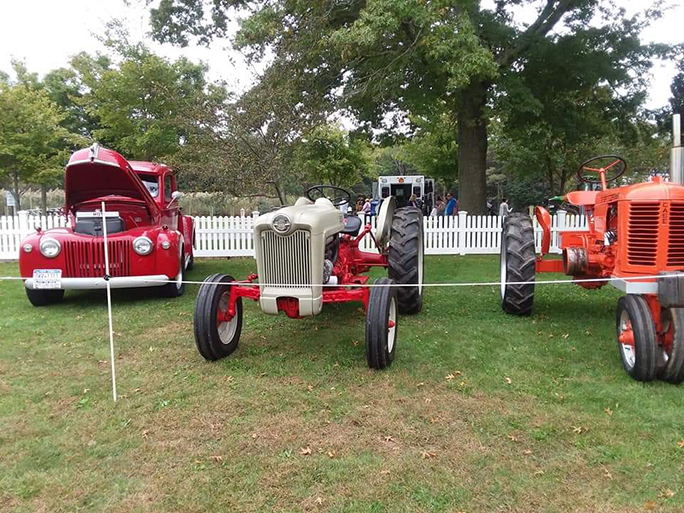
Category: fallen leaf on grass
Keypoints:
(389, 438)
(145, 433)
(509, 380)
(305, 451)
(319, 501)
(332, 454)
(420, 384)
(579, 430)
(217, 458)
(608, 411)
(539, 473)
(428, 455)
(513, 438)
(527, 452)
(667, 494)
(384, 472)
(681, 443)
(254, 436)
(607, 474)
(449, 377)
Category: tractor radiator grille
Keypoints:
(675, 247)
(642, 235)
(86, 259)
(286, 259)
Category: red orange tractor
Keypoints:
(633, 230)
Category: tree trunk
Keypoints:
(472, 149)
(17, 196)
(43, 199)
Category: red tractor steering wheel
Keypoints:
(618, 165)
(338, 196)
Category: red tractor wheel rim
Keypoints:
(226, 325)
(626, 340)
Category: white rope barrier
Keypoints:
(371, 285)
(109, 301)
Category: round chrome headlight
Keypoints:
(281, 223)
(50, 247)
(28, 248)
(142, 246)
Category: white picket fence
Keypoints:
(221, 236)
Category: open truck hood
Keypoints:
(98, 172)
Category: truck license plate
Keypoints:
(47, 278)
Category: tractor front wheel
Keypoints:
(381, 324)
(216, 332)
(406, 258)
(636, 337)
(672, 345)
(517, 264)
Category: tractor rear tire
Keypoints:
(639, 356)
(381, 324)
(673, 369)
(44, 297)
(406, 258)
(517, 264)
(216, 340)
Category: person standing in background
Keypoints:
(451, 206)
(503, 208)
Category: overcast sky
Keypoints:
(45, 33)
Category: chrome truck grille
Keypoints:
(286, 259)
(86, 259)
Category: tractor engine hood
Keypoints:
(98, 172)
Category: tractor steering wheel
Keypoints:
(605, 162)
(338, 196)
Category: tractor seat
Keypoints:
(352, 225)
(582, 198)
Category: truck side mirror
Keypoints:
(175, 196)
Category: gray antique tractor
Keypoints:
(308, 255)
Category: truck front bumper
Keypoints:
(125, 282)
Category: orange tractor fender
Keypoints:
(544, 220)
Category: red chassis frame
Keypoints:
(351, 262)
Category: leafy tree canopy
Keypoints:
(454, 56)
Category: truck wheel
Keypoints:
(672, 369)
(406, 258)
(636, 337)
(517, 264)
(42, 297)
(191, 260)
(215, 336)
(381, 324)
(176, 287)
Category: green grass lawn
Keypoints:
(479, 412)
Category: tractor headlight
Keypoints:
(142, 246)
(281, 223)
(50, 247)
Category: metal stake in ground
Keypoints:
(109, 300)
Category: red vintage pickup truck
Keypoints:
(149, 239)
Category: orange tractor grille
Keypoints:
(646, 233)
(675, 246)
(86, 259)
(642, 234)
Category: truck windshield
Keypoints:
(152, 184)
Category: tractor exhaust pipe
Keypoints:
(677, 152)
